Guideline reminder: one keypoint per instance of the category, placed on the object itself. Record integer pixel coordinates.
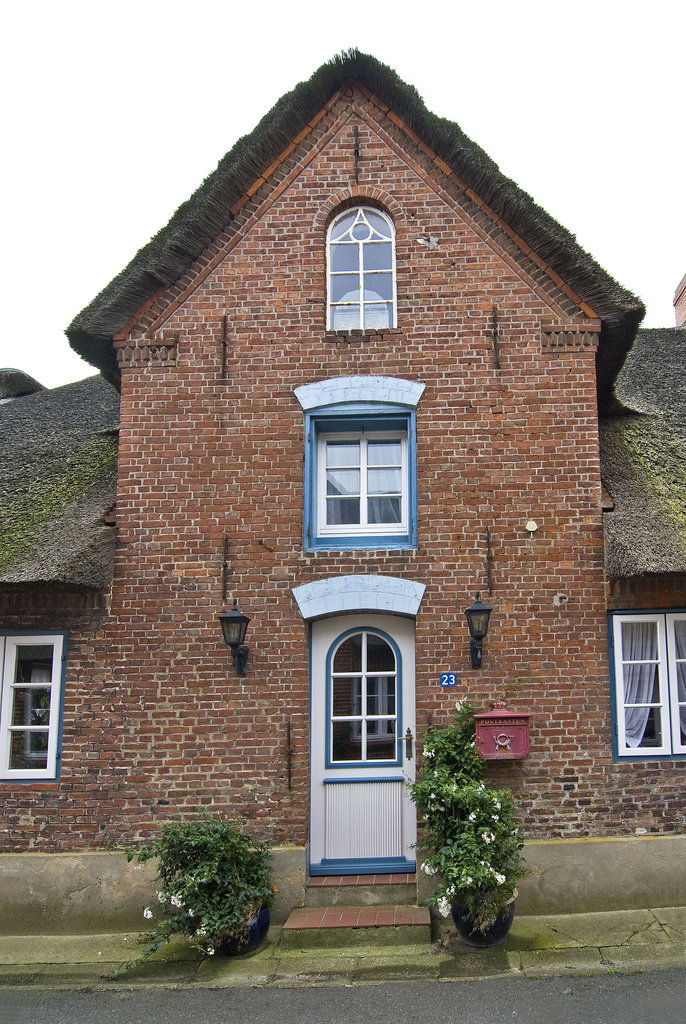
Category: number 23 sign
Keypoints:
(448, 679)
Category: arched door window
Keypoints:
(361, 271)
(363, 689)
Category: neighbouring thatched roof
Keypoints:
(15, 383)
(58, 459)
(199, 220)
(643, 457)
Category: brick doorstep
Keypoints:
(346, 926)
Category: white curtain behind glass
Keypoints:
(639, 645)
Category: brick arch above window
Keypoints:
(357, 197)
(359, 593)
(339, 390)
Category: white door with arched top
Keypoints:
(362, 745)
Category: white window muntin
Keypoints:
(367, 489)
(30, 708)
(361, 276)
(650, 675)
(377, 688)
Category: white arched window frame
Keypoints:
(361, 278)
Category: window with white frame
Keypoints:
(650, 683)
(361, 270)
(362, 483)
(30, 698)
(363, 685)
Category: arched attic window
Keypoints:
(361, 270)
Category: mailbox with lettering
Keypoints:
(502, 735)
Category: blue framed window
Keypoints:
(649, 681)
(360, 462)
(363, 700)
(32, 682)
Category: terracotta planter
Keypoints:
(254, 935)
(483, 938)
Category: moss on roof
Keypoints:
(57, 481)
(199, 220)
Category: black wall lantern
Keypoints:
(234, 627)
(477, 619)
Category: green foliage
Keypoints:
(472, 829)
(214, 878)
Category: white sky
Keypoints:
(114, 112)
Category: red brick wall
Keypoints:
(203, 457)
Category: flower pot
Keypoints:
(254, 934)
(493, 934)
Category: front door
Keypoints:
(363, 695)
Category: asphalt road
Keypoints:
(656, 998)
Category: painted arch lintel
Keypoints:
(358, 593)
(343, 390)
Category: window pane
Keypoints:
(384, 453)
(347, 697)
(380, 656)
(342, 511)
(680, 638)
(34, 663)
(342, 453)
(343, 224)
(643, 727)
(347, 741)
(348, 657)
(384, 510)
(381, 696)
(378, 316)
(361, 231)
(345, 288)
(29, 750)
(379, 224)
(376, 286)
(384, 481)
(639, 641)
(345, 318)
(344, 256)
(342, 481)
(377, 256)
(31, 706)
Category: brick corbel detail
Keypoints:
(563, 337)
(159, 350)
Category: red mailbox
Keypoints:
(502, 735)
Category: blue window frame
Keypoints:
(649, 683)
(360, 462)
(363, 672)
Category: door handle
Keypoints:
(408, 744)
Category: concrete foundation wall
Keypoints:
(102, 892)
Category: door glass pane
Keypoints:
(348, 657)
(380, 656)
(381, 696)
(346, 697)
(381, 746)
(347, 741)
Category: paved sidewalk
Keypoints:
(619, 942)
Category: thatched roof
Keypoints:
(15, 383)
(197, 223)
(58, 458)
(643, 457)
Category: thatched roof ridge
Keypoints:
(58, 459)
(15, 383)
(643, 459)
(199, 220)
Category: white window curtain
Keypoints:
(680, 651)
(640, 657)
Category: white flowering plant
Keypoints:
(213, 879)
(471, 828)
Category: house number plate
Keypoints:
(448, 679)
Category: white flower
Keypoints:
(432, 797)
(500, 879)
(427, 869)
(468, 880)
(486, 837)
(444, 906)
(459, 704)
(472, 816)
(495, 817)
(210, 952)
(428, 752)
(201, 932)
(190, 913)
(161, 897)
(176, 901)
(147, 912)
(497, 804)
(451, 891)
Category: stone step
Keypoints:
(331, 927)
(361, 890)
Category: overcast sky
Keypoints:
(115, 112)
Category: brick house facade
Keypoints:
(237, 384)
